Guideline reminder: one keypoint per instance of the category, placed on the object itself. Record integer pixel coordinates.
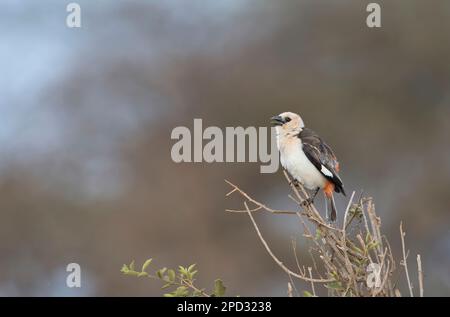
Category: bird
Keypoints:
(307, 158)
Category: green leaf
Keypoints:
(318, 234)
(183, 271)
(161, 272)
(142, 274)
(358, 250)
(190, 268)
(181, 291)
(169, 295)
(146, 264)
(335, 285)
(219, 288)
(171, 274)
(372, 245)
(124, 269)
(198, 293)
(131, 266)
(307, 294)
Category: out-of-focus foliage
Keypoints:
(181, 280)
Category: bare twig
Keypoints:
(260, 205)
(344, 226)
(277, 261)
(420, 272)
(312, 283)
(289, 290)
(404, 263)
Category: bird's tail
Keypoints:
(328, 190)
(333, 207)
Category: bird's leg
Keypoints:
(310, 200)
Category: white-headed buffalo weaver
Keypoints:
(307, 158)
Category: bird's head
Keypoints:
(288, 123)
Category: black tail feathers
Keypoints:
(333, 208)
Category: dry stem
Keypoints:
(343, 255)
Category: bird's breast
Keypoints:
(295, 161)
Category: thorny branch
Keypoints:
(345, 255)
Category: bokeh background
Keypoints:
(86, 116)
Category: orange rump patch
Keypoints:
(328, 189)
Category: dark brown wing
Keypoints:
(322, 157)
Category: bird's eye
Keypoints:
(287, 119)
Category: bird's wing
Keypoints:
(322, 157)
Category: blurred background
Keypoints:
(86, 115)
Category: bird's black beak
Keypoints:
(277, 121)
